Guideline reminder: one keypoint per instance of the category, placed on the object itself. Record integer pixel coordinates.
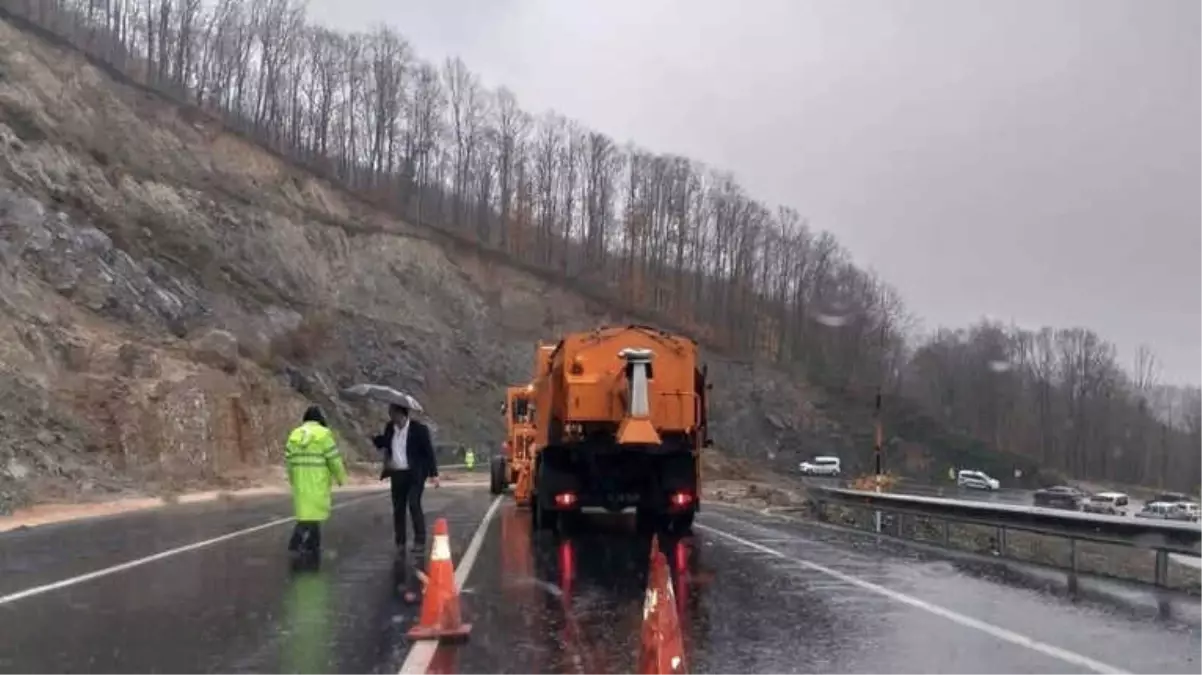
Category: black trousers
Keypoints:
(306, 536)
(407, 487)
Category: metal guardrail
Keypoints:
(1004, 495)
(1163, 537)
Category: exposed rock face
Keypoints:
(171, 297)
(217, 348)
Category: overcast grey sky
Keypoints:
(1031, 160)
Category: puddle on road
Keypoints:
(574, 603)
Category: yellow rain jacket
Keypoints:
(314, 465)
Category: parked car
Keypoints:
(1170, 498)
(977, 480)
(821, 466)
(1109, 503)
(1060, 497)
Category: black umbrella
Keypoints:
(386, 394)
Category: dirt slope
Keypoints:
(171, 296)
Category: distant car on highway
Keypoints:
(1108, 503)
(1060, 497)
(977, 480)
(821, 466)
(1155, 511)
(1171, 511)
(1186, 511)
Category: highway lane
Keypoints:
(1126, 637)
(1002, 496)
(755, 594)
(46, 553)
(233, 606)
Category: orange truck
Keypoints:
(517, 449)
(619, 420)
(515, 464)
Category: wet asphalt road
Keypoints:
(755, 594)
(234, 606)
(573, 605)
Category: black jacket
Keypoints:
(418, 449)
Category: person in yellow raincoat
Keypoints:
(314, 465)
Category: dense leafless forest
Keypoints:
(663, 234)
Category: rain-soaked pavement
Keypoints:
(233, 606)
(755, 594)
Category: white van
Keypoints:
(977, 480)
(1110, 503)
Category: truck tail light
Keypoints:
(565, 500)
(681, 498)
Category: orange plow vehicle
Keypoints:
(517, 450)
(619, 421)
(515, 466)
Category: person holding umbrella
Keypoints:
(408, 456)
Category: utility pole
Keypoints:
(879, 434)
(877, 452)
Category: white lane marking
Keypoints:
(422, 652)
(967, 621)
(72, 581)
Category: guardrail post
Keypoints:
(1001, 540)
(1162, 568)
(1072, 566)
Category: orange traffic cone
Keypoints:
(440, 617)
(662, 648)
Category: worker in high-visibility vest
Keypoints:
(314, 465)
(469, 459)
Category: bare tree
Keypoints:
(512, 125)
(655, 233)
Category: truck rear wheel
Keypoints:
(498, 475)
(676, 524)
(544, 516)
(646, 522)
(679, 524)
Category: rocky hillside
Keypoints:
(171, 296)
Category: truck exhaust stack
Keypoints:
(636, 427)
